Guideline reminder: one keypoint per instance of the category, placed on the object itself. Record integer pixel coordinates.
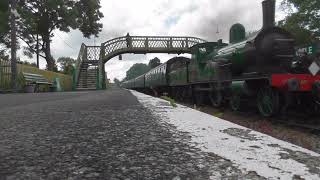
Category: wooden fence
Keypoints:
(5, 75)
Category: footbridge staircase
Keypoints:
(90, 71)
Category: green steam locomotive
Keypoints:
(261, 70)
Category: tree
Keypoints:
(303, 20)
(55, 68)
(136, 70)
(27, 63)
(4, 26)
(66, 64)
(117, 81)
(154, 62)
(40, 18)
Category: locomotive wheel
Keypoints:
(268, 102)
(182, 94)
(216, 98)
(235, 102)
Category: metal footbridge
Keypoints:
(90, 71)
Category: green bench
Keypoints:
(33, 82)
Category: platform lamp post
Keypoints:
(13, 14)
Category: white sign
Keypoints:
(314, 68)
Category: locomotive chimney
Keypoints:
(268, 9)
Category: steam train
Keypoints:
(263, 70)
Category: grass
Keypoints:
(172, 101)
(65, 80)
(218, 114)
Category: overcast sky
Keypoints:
(198, 18)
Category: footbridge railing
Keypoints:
(147, 44)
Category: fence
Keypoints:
(5, 75)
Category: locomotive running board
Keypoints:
(285, 40)
(203, 89)
(285, 56)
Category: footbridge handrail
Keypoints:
(81, 57)
(147, 44)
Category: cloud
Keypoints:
(201, 18)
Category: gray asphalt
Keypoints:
(96, 135)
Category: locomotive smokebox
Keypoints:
(268, 9)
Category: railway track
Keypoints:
(292, 129)
(293, 120)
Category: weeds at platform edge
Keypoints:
(218, 114)
(172, 101)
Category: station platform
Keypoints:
(122, 134)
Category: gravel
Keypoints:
(97, 135)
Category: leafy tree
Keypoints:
(41, 18)
(4, 25)
(117, 81)
(55, 68)
(27, 63)
(3, 56)
(154, 62)
(303, 20)
(66, 64)
(136, 70)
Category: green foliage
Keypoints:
(140, 68)
(27, 63)
(136, 70)
(154, 63)
(41, 18)
(4, 16)
(4, 23)
(218, 114)
(54, 69)
(117, 81)
(172, 101)
(303, 20)
(66, 64)
(3, 55)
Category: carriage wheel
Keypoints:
(178, 95)
(181, 94)
(216, 98)
(199, 98)
(268, 102)
(235, 102)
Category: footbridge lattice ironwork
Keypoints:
(92, 58)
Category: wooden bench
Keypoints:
(36, 80)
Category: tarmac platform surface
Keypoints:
(100, 135)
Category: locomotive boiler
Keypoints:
(271, 50)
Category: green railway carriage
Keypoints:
(171, 73)
(139, 82)
(178, 71)
(128, 84)
(156, 77)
